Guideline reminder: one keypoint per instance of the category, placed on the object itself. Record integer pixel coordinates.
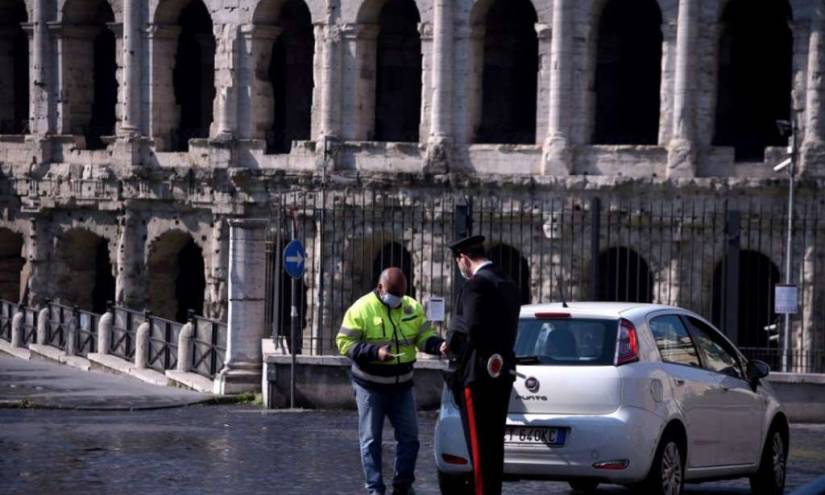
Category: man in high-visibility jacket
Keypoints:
(381, 333)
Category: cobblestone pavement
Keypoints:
(241, 449)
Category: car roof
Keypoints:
(593, 308)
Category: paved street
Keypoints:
(240, 449)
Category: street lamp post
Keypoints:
(790, 165)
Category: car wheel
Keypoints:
(667, 474)
(584, 486)
(455, 484)
(770, 479)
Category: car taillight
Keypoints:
(628, 343)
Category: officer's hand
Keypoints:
(384, 353)
(444, 349)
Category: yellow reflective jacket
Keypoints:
(370, 324)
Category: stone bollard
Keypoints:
(43, 325)
(17, 328)
(70, 333)
(187, 332)
(104, 330)
(142, 343)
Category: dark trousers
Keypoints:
(484, 411)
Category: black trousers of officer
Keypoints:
(484, 408)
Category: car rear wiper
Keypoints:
(527, 359)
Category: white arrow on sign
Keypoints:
(298, 259)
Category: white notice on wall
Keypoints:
(435, 309)
(785, 299)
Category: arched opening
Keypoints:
(753, 301)
(510, 74)
(628, 73)
(393, 254)
(291, 77)
(624, 276)
(512, 263)
(193, 76)
(755, 44)
(14, 68)
(86, 277)
(11, 262)
(177, 279)
(398, 73)
(88, 76)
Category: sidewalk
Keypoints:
(42, 384)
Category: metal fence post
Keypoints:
(730, 305)
(595, 248)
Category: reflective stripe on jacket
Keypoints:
(370, 324)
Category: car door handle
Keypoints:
(679, 381)
(725, 389)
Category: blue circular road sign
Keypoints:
(294, 258)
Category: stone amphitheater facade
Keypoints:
(136, 132)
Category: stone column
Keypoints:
(131, 60)
(330, 79)
(37, 259)
(469, 66)
(558, 158)
(681, 149)
(359, 101)
(246, 322)
(441, 77)
(216, 304)
(226, 100)
(130, 281)
(162, 107)
(75, 62)
(255, 98)
(41, 90)
(813, 145)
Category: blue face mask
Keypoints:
(391, 300)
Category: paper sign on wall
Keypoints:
(435, 309)
(785, 299)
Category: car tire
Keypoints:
(584, 486)
(455, 484)
(770, 479)
(667, 473)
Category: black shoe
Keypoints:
(403, 490)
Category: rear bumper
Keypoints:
(627, 433)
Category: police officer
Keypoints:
(381, 333)
(481, 338)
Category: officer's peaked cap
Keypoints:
(465, 244)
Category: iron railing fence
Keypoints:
(60, 318)
(124, 327)
(29, 326)
(718, 257)
(804, 361)
(86, 335)
(163, 343)
(208, 346)
(7, 310)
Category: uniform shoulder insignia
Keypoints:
(408, 310)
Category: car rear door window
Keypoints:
(673, 340)
(567, 341)
(717, 354)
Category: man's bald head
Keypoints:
(393, 281)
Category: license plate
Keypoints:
(537, 436)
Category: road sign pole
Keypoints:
(293, 344)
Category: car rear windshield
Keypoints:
(566, 341)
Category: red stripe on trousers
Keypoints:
(471, 421)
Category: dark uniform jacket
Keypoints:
(484, 323)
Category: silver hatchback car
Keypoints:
(642, 395)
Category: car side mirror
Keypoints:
(757, 370)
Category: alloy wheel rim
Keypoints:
(671, 470)
(778, 458)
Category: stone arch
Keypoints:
(393, 253)
(283, 113)
(176, 275)
(11, 263)
(508, 74)
(182, 73)
(624, 276)
(628, 61)
(14, 68)
(89, 80)
(511, 262)
(84, 266)
(755, 43)
(753, 298)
